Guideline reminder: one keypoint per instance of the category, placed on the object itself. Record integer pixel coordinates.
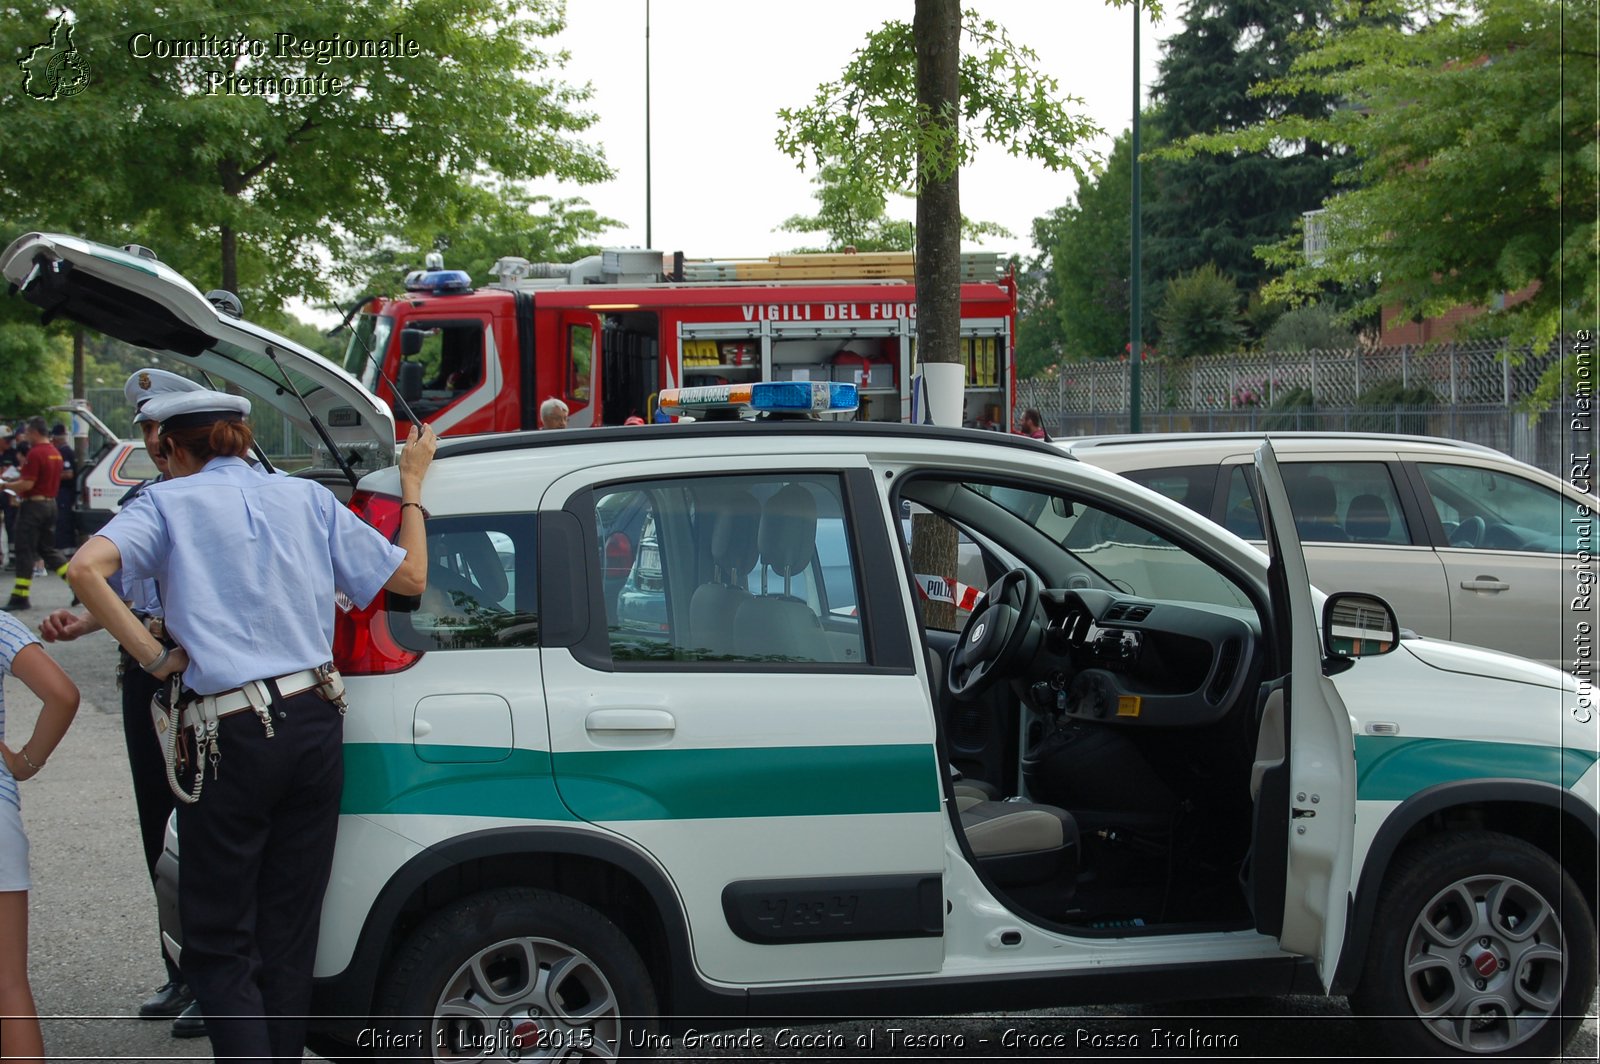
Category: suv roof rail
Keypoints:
(1122, 439)
(517, 441)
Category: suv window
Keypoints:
(480, 589)
(1333, 502)
(1487, 509)
(1190, 485)
(732, 569)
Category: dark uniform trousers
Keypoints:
(36, 537)
(152, 796)
(257, 853)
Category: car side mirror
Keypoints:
(411, 342)
(1358, 625)
(410, 381)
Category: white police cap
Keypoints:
(147, 384)
(180, 410)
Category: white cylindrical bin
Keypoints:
(943, 391)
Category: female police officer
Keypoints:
(248, 564)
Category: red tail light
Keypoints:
(362, 642)
(619, 556)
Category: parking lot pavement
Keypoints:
(93, 937)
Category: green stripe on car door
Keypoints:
(1393, 768)
(749, 782)
(389, 778)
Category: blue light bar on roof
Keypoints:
(814, 397)
(439, 282)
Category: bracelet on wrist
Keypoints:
(26, 760)
(158, 661)
(423, 510)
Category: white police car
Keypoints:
(560, 830)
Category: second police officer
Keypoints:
(248, 565)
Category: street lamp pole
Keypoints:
(1135, 341)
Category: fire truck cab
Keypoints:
(607, 333)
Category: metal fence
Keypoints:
(1479, 392)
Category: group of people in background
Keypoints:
(14, 450)
(187, 577)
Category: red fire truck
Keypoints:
(607, 333)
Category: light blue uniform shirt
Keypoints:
(247, 565)
(13, 637)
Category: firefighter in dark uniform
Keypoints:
(248, 564)
(152, 797)
(36, 486)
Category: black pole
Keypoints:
(647, 240)
(1135, 341)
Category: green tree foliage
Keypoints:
(1199, 314)
(1087, 254)
(1218, 208)
(874, 121)
(1314, 327)
(33, 366)
(250, 171)
(854, 214)
(487, 222)
(1474, 130)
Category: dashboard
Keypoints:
(1142, 663)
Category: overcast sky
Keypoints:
(721, 69)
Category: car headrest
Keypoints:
(477, 554)
(789, 530)
(735, 543)
(1367, 518)
(1313, 497)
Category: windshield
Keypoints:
(364, 355)
(1114, 551)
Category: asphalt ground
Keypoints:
(93, 955)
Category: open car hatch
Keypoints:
(137, 299)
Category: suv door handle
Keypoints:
(1485, 583)
(629, 720)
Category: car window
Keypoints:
(1486, 509)
(1190, 485)
(1333, 502)
(477, 595)
(138, 466)
(733, 569)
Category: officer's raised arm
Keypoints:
(412, 576)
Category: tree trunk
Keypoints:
(937, 32)
(230, 259)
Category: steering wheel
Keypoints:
(1468, 533)
(993, 634)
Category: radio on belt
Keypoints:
(770, 399)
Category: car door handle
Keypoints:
(1485, 583)
(629, 720)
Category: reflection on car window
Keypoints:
(1189, 485)
(1485, 509)
(729, 569)
(477, 596)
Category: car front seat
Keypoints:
(1021, 843)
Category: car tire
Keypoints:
(517, 963)
(1482, 945)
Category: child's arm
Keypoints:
(59, 694)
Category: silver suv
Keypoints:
(1466, 543)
